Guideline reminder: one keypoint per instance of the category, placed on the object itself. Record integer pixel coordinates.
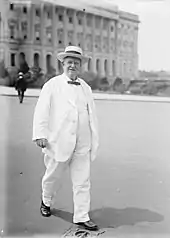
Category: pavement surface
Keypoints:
(130, 194)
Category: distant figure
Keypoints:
(21, 86)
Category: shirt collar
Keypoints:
(68, 79)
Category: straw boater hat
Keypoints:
(72, 51)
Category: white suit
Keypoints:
(56, 118)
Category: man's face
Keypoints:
(71, 67)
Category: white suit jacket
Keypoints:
(54, 117)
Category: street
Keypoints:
(130, 178)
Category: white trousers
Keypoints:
(79, 166)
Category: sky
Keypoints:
(154, 31)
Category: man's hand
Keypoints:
(42, 142)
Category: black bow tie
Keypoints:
(73, 82)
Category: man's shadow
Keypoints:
(108, 217)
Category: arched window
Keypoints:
(105, 67)
(48, 62)
(21, 58)
(22, 55)
(13, 59)
(97, 65)
(36, 59)
(113, 67)
(23, 65)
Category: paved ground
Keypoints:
(130, 178)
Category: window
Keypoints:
(11, 6)
(24, 26)
(36, 59)
(48, 62)
(97, 65)
(12, 59)
(48, 15)
(25, 10)
(113, 67)
(70, 20)
(12, 32)
(70, 37)
(37, 35)
(112, 28)
(37, 12)
(105, 66)
(37, 32)
(79, 21)
(60, 17)
(60, 35)
(49, 36)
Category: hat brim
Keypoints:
(61, 56)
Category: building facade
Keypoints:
(41, 30)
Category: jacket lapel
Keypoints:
(68, 92)
(87, 97)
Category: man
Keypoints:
(65, 126)
(21, 86)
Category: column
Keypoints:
(93, 34)
(84, 31)
(7, 57)
(102, 69)
(101, 32)
(65, 27)
(19, 30)
(54, 60)
(31, 23)
(54, 29)
(109, 37)
(93, 65)
(110, 67)
(116, 49)
(30, 58)
(74, 28)
(43, 61)
(42, 24)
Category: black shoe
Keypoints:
(89, 225)
(45, 210)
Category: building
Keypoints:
(40, 29)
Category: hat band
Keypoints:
(73, 52)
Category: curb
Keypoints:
(9, 91)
